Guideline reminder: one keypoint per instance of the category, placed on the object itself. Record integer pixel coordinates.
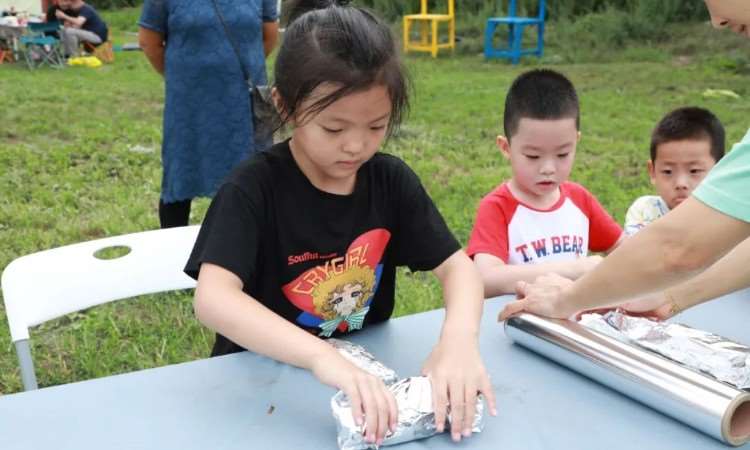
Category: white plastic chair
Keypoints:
(48, 284)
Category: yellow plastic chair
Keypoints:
(428, 31)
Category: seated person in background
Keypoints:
(83, 24)
(685, 145)
(537, 222)
(51, 17)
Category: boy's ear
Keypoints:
(504, 145)
(651, 171)
(578, 137)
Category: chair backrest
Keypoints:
(541, 9)
(451, 7)
(51, 283)
(39, 28)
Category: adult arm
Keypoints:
(670, 250)
(455, 366)
(74, 22)
(270, 36)
(221, 305)
(152, 44)
(500, 278)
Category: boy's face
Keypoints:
(679, 167)
(541, 155)
(734, 14)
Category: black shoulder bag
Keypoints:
(263, 112)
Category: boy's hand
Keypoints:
(372, 403)
(457, 374)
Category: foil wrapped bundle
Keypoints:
(364, 360)
(699, 350)
(416, 417)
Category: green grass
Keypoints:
(80, 155)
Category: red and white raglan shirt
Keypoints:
(520, 234)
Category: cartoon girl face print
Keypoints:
(345, 302)
(345, 293)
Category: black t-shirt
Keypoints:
(323, 261)
(94, 22)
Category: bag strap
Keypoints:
(245, 72)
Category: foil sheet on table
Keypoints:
(416, 417)
(699, 350)
(364, 360)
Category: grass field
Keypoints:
(80, 158)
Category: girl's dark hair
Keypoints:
(331, 42)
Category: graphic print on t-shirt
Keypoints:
(338, 293)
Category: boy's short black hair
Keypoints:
(689, 123)
(540, 94)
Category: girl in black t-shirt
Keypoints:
(302, 241)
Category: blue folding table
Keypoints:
(245, 401)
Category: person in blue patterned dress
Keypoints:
(207, 122)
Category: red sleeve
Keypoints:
(604, 231)
(490, 232)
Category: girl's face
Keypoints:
(332, 145)
(734, 14)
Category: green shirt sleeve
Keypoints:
(727, 186)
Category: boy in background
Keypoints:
(538, 222)
(685, 145)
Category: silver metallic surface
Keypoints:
(700, 350)
(416, 417)
(364, 360)
(715, 408)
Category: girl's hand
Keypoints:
(545, 297)
(372, 403)
(457, 374)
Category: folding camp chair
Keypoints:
(40, 47)
(51, 283)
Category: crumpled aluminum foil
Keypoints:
(699, 350)
(416, 418)
(364, 360)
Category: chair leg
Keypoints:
(516, 50)
(424, 28)
(406, 35)
(27, 55)
(540, 40)
(434, 45)
(28, 377)
(452, 33)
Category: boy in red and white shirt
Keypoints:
(538, 222)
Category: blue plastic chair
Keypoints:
(514, 51)
(40, 47)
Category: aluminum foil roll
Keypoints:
(713, 407)
(700, 350)
(364, 360)
(416, 417)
